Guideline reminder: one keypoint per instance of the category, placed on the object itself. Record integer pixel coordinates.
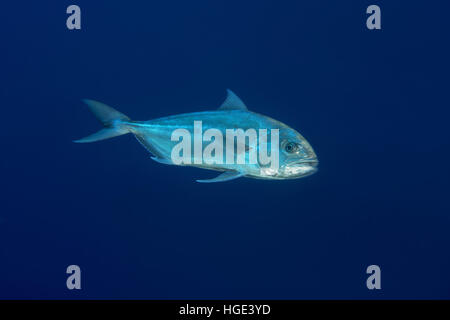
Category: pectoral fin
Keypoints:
(226, 176)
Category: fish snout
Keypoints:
(313, 162)
(301, 168)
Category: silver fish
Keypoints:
(296, 156)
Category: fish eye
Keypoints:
(291, 147)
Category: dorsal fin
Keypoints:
(232, 102)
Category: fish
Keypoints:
(295, 156)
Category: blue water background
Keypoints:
(374, 105)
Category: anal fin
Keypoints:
(162, 160)
(225, 176)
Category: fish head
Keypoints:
(297, 158)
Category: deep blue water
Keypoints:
(374, 105)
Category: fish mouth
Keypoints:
(313, 162)
(300, 168)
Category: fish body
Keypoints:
(295, 155)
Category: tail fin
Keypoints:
(111, 120)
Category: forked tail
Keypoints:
(112, 120)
